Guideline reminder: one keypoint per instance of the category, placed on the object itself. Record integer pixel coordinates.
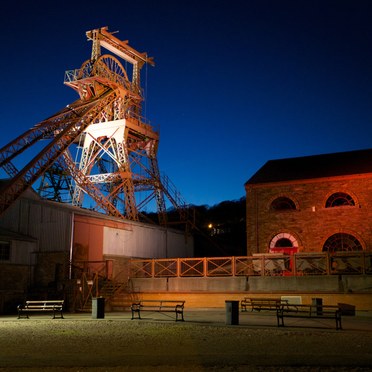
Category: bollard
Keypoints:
(98, 308)
(318, 304)
(232, 312)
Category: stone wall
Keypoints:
(256, 284)
(14, 281)
(354, 290)
(51, 269)
(14, 277)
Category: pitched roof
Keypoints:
(11, 235)
(316, 166)
(29, 192)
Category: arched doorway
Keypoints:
(283, 243)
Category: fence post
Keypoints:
(262, 258)
(364, 261)
(294, 263)
(328, 263)
(96, 280)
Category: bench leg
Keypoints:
(338, 322)
(60, 314)
(20, 315)
(280, 319)
(181, 314)
(136, 311)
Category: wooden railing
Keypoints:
(299, 264)
(94, 279)
(101, 268)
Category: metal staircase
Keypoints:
(95, 283)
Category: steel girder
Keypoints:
(111, 169)
(65, 131)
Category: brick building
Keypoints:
(311, 204)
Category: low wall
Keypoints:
(266, 284)
(194, 300)
(213, 292)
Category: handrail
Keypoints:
(299, 264)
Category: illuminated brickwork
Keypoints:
(310, 214)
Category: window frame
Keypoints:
(349, 236)
(337, 195)
(283, 198)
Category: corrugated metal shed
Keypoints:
(51, 225)
(21, 248)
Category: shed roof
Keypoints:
(29, 192)
(11, 235)
(316, 166)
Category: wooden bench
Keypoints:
(54, 306)
(160, 306)
(309, 311)
(258, 304)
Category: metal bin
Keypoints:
(98, 308)
(232, 312)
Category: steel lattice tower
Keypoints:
(101, 153)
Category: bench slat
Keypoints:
(160, 306)
(55, 306)
(310, 312)
(261, 303)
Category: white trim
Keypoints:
(279, 236)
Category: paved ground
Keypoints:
(204, 342)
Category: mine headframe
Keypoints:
(99, 147)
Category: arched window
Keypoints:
(283, 204)
(339, 199)
(342, 242)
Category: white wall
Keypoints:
(146, 241)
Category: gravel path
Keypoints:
(125, 345)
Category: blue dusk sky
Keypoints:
(236, 83)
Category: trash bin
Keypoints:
(98, 308)
(232, 312)
(318, 303)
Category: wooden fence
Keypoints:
(299, 264)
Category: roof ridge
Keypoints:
(314, 166)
